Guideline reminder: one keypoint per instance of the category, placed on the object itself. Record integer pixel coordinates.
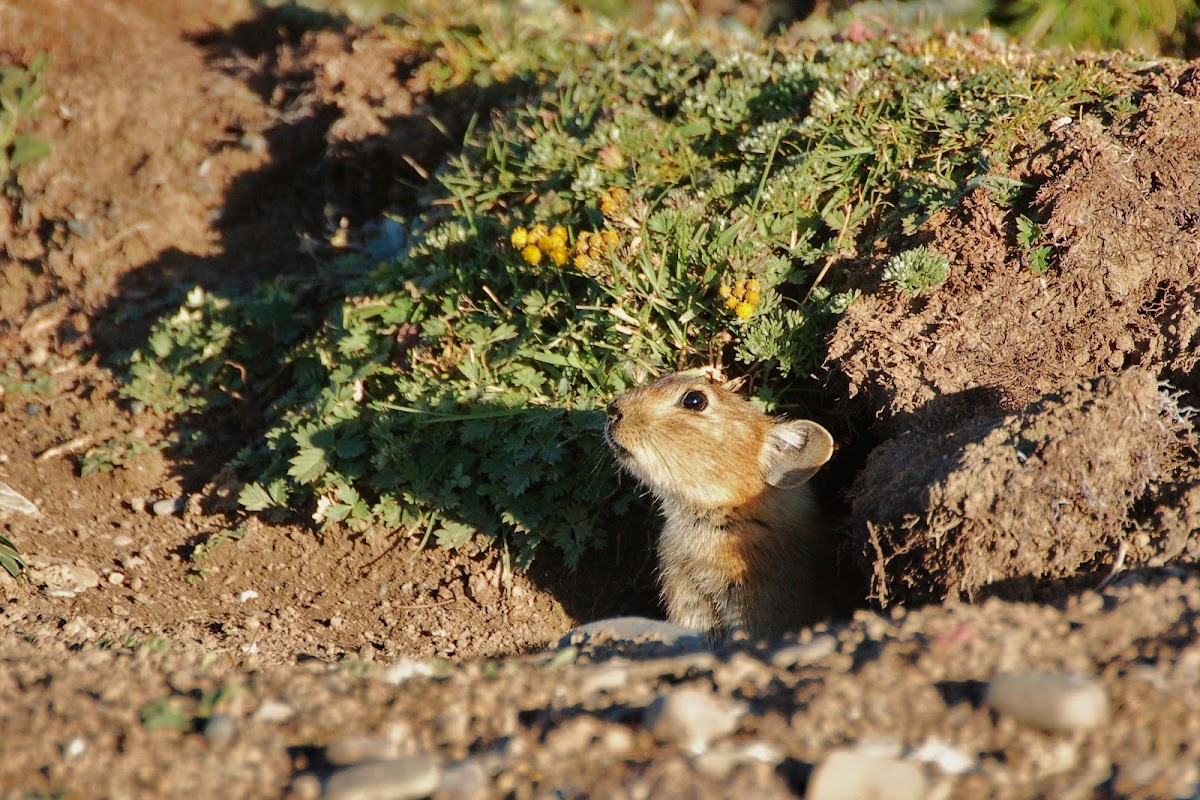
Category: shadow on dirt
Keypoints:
(319, 169)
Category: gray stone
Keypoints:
(405, 778)
(806, 653)
(852, 775)
(465, 780)
(12, 500)
(1053, 701)
(220, 728)
(169, 506)
(353, 749)
(635, 630)
(693, 717)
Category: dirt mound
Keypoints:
(1004, 501)
(1117, 205)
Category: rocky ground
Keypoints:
(163, 646)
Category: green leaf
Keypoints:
(10, 558)
(452, 535)
(254, 497)
(308, 465)
(28, 149)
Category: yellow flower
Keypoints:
(537, 233)
(744, 310)
(531, 254)
(731, 302)
(559, 232)
(520, 238)
(582, 261)
(724, 291)
(613, 201)
(753, 296)
(754, 285)
(558, 255)
(610, 237)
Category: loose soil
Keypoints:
(196, 651)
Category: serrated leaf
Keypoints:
(254, 497)
(452, 535)
(308, 465)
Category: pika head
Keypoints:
(703, 447)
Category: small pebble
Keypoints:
(1053, 701)
(273, 711)
(635, 629)
(851, 775)
(305, 787)
(169, 506)
(352, 749)
(693, 717)
(116, 578)
(948, 759)
(220, 728)
(13, 500)
(405, 778)
(796, 654)
(721, 762)
(247, 595)
(464, 780)
(74, 748)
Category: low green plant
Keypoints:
(30, 382)
(10, 557)
(647, 204)
(115, 453)
(215, 350)
(1151, 26)
(917, 270)
(1037, 256)
(206, 548)
(21, 93)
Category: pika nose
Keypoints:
(614, 413)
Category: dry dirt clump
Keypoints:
(1117, 203)
(1002, 501)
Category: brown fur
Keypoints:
(743, 547)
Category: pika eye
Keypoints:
(695, 400)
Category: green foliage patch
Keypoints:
(648, 204)
(21, 92)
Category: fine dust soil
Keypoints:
(164, 646)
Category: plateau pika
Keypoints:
(743, 547)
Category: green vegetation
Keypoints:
(1029, 233)
(10, 557)
(188, 712)
(917, 270)
(203, 550)
(637, 204)
(1148, 25)
(20, 93)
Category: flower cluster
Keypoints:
(614, 202)
(541, 242)
(742, 297)
(591, 247)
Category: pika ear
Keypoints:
(794, 451)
